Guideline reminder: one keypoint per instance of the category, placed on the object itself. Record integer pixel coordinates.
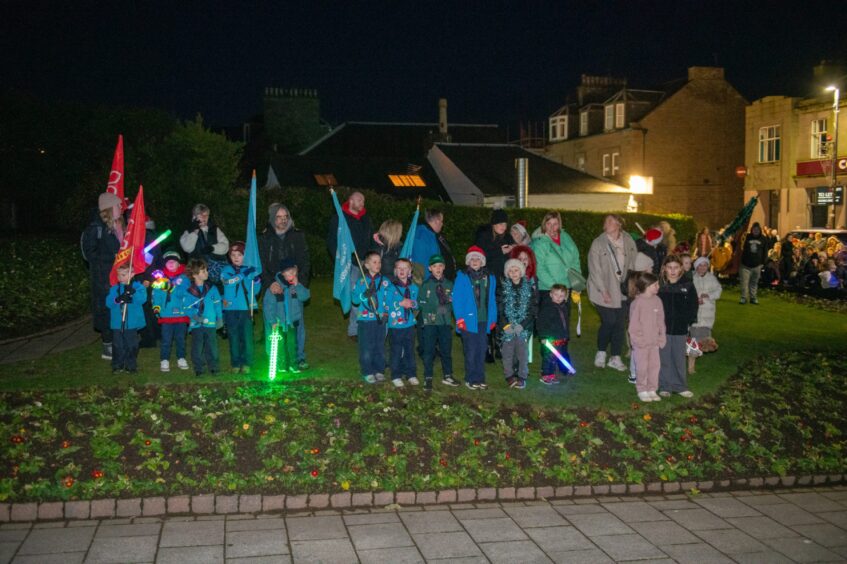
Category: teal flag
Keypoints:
(409, 243)
(251, 243)
(341, 289)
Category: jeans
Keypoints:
(749, 281)
(402, 352)
(125, 349)
(549, 362)
(475, 345)
(515, 351)
(204, 346)
(612, 327)
(176, 333)
(301, 340)
(239, 327)
(371, 343)
(352, 329)
(440, 337)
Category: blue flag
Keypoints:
(409, 243)
(344, 249)
(251, 243)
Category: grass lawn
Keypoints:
(743, 333)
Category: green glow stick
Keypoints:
(274, 354)
(158, 240)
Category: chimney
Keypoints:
(442, 116)
(522, 182)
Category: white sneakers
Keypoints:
(165, 366)
(414, 381)
(380, 377)
(182, 364)
(654, 396)
(687, 394)
(616, 363)
(600, 359)
(645, 396)
(369, 379)
(398, 382)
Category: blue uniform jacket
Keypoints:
(202, 305)
(365, 311)
(238, 283)
(399, 317)
(167, 295)
(464, 304)
(287, 308)
(134, 311)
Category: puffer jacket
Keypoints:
(554, 260)
(707, 284)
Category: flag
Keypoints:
(132, 247)
(341, 289)
(116, 176)
(739, 222)
(251, 243)
(409, 243)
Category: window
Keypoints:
(607, 164)
(616, 166)
(406, 180)
(583, 122)
(769, 144)
(580, 162)
(818, 138)
(325, 179)
(563, 127)
(610, 117)
(619, 115)
(554, 132)
(558, 128)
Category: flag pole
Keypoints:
(123, 314)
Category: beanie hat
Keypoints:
(287, 263)
(643, 263)
(701, 260)
(514, 263)
(107, 201)
(499, 216)
(475, 252)
(436, 259)
(237, 246)
(520, 228)
(172, 255)
(653, 236)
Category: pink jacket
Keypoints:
(647, 322)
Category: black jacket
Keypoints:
(99, 247)
(646, 248)
(552, 322)
(495, 260)
(754, 251)
(361, 230)
(273, 248)
(388, 255)
(680, 302)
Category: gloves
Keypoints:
(195, 224)
(492, 326)
(125, 298)
(461, 325)
(208, 250)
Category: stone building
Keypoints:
(688, 136)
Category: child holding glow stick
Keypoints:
(646, 333)
(285, 312)
(371, 316)
(202, 304)
(168, 286)
(130, 296)
(400, 297)
(238, 284)
(552, 326)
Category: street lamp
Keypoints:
(834, 89)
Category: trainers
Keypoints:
(303, 365)
(369, 379)
(245, 370)
(482, 386)
(687, 394)
(165, 366)
(645, 396)
(106, 353)
(413, 381)
(398, 382)
(427, 384)
(182, 363)
(521, 384)
(549, 379)
(742, 301)
(616, 363)
(380, 377)
(511, 381)
(293, 369)
(654, 396)
(665, 394)
(449, 381)
(600, 359)
(631, 379)
(471, 386)
(754, 301)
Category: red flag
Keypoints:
(116, 176)
(132, 247)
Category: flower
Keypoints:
(66, 444)
(314, 473)
(68, 481)
(96, 474)
(17, 439)
(476, 442)
(246, 426)
(148, 442)
(583, 424)
(508, 456)
(442, 462)
(345, 485)
(647, 417)
(316, 451)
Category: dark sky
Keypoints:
(495, 62)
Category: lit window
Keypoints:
(406, 180)
(619, 115)
(583, 122)
(325, 179)
(610, 117)
(818, 138)
(769, 144)
(616, 167)
(607, 164)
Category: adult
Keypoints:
(703, 243)
(520, 235)
(753, 250)
(205, 240)
(556, 255)
(429, 241)
(496, 241)
(100, 242)
(610, 259)
(388, 242)
(668, 244)
(361, 230)
(282, 240)
(649, 244)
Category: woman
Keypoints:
(556, 254)
(388, 244)
(520, 234)
(496, 241)
(703, 243)
(100, 243)
(610, 259)
(205, 240)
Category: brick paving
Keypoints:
(790, 525)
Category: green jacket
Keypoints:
(554, 260)
(430, 312)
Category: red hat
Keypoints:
(653, 236)
(475, 252)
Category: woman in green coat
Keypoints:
(556, 254)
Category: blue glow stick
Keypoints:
(562, 359)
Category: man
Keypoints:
(361, 230)
(281, 240)
(753, 255)
(429, 242)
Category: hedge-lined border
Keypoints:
(208, 504)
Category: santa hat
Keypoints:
(653, 236)
(475, 252)
(514, 263)
(643, 263)
(701, 260)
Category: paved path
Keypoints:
(69, 336)
(771, 527)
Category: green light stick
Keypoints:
(274, 354)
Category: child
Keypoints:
(202, 305)
(400, 297)
(647, 333)
(125, 300)
(475, 310)
(435, 300)
(679, 298)
(552, 327)
(370, 319)
(168, 286)
(687, 267)
(517, 306)
(708, 292)
(239, 283)
(285, 312)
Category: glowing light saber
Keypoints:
(558, 355)
(157, 240)
(273, 357)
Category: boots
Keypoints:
(107, 351)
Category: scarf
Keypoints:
(516, 298)
(200, 293)
(478, 280)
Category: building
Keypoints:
(687, 135)
(789, 162)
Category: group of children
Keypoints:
(396, 308)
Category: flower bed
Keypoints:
(778, 415)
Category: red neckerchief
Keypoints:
(346, 207)
(174, 273)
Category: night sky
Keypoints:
(495, 62)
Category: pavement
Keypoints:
(69, 336)
(796, 525)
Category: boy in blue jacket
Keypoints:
(285, 312)
(202, 305)
(168, 286)
(240, 286)
(400, 297)
(371, 316)
(126, 317)
(475, 310)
